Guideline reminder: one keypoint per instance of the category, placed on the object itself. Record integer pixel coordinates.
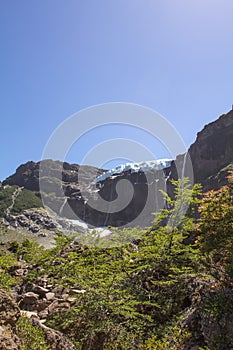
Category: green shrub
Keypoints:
(6, 197)
(32, 337)
(7, 261)
(26, 200)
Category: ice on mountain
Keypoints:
(136, 167)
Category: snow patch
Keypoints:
(136, 167)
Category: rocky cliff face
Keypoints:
(27, 175)
(213, 148)
(66, 196)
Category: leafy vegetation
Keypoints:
(7, 261)
(216, 230)
(135, 295)
(31, 337)
(25, 199)
(6, 197)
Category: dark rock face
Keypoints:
(213, 148)
(217, 180)
(142, 186)
(209, 319)
(66, 196)
(27, 175)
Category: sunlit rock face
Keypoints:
(213, 148)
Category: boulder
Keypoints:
(9, 311)
(56, 339)
(9, 314)
(29, 299)
(210, 317)
(50, 296)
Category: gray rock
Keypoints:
(56, 339)
(9, 311)
(50, 296)
(40, 290)
(30, 298)
(9, 314)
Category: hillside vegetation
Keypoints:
(25, 199)
(170, 289)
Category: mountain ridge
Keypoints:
(210, 154)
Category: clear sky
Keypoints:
(60, 56)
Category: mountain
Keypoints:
(76, 206)
(72, 194)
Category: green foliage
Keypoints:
(218, 304)
(117, 238)
(180, 207)
(26, 200)
(173, 340)
(6, 193)
(133, 285)
(215, 227)
(32, 337)
(129, 290)
(7, 261)
(28, 250)
(175, 222)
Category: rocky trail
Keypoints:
(35, 301)
(14, 197)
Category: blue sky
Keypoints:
(58, 57)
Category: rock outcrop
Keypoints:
(36, 220)
(213, 148)
(209, 319)
(56, 339)
(27, 175)
(9, 314)
(34, 301)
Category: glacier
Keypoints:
(135, 167)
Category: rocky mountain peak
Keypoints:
(213, 148)
(27, 175)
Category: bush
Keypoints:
(26, 200)
(6, 198)
(32, 337)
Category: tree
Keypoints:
(178, 215)
(215, 226)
